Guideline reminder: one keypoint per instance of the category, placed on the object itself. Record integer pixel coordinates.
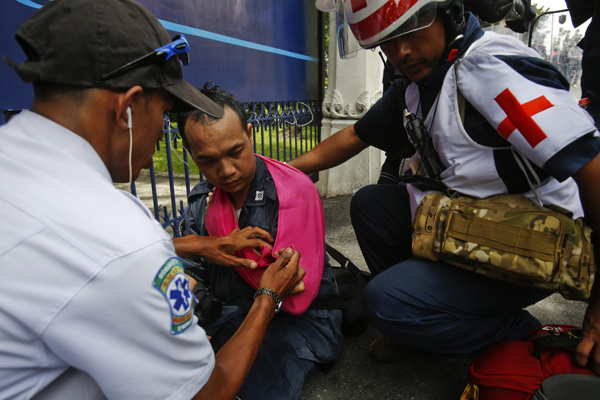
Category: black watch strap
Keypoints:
(271, 293)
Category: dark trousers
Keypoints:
(277, 372)
(284, 361)
(382, 222)
(431, 306)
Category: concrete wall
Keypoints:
(354, 86)
(361, 170)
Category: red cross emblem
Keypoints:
(358, 5)
(518, 116)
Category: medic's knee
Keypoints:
(374, 297)
(386, 301)
(359, 205)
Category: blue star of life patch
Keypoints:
(174, 285)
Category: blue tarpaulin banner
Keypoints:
(260, 50)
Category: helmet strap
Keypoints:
(452, 48)
(454, 17)
(455, 25)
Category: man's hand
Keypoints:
(590, 343)
(252, 233)
(234, 360)
(219, 250)
(284, 276)
(589, 191)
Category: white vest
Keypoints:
(552, 121)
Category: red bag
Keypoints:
(518, 369)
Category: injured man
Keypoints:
(244, 192)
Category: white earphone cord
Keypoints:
(130, 126)
(130, 150)
(170, 145)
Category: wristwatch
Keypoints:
(271, 293)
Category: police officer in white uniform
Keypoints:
(93, 300)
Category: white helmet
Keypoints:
(372, 22)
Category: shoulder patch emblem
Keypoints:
(174, 285)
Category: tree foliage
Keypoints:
(540, 9)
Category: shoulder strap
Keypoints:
(553, 341)
(462, 105)
(341, 259)
(462, 102)
(335, 303)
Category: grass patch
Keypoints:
(283, 142)
(161, 162)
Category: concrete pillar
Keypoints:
(354, 85)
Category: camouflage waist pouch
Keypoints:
(507, 237)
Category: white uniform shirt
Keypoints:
(78, 263)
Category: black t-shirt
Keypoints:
(383, 125)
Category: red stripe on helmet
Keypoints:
(385, 16)
(358, 5)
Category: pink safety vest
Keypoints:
(301, 225)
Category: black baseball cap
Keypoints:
(77, 42)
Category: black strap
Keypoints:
(424, 183)
(554, 341)
(341, 259)
(335, 303)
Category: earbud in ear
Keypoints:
(129, 119)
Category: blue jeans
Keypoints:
(431, 306)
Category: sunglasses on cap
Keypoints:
(179, 47)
